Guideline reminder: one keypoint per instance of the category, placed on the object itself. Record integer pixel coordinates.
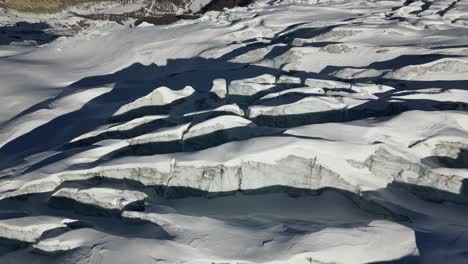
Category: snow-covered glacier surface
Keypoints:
(282, 132)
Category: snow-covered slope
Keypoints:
(283, 132)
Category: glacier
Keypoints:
(288, 131)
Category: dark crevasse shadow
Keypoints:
(450, 47)
(285, 37)
(100, 110)
(448, 8)
(55, 158)
(458, 162)
(176, 118)
(193, 144)
(411, 85)
(407, 60)
(433, 194)
(25, 33)
(85, 144)
(162, 147)
(129, 84)
(146, 128)
(133, 229)
(395, 63)
(137, 81)
(435, 243)
(438, 239)
(40, 204)
(404, 260)
(372, 109)
(100, 219)
(219, 5)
